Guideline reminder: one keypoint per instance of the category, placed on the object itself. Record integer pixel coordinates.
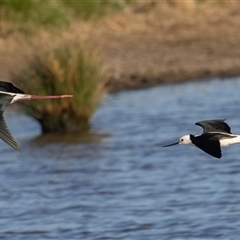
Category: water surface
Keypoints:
(117, 182)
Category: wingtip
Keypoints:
(19, 150)
(15, 147)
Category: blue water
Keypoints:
(117, 182)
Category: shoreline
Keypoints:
(141, 82)
(173, 45)
(151, 44)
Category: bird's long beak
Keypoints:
(171, 144)
(25, 97)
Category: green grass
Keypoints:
(30, 16)
(91, 8)
(66, 69)
(27, 15)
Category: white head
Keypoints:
(185, 140)
(182, 140)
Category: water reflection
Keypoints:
(70, 138)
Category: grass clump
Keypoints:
(65, 69)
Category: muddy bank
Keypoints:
(153, 43)
(179, 44)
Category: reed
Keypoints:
(65, 69)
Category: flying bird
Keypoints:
(10, 94)
(216, 134)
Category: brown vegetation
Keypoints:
(150, 43)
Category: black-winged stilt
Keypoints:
(8, 95)
(216, 134)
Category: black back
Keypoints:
(9, 87)
(214, 126)
(207, 144)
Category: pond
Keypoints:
(117, 182)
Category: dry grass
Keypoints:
(63, 69)
(150, 42)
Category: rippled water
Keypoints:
(118, 182)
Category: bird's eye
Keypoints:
(181, 140)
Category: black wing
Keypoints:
(214, 126)
(208, 145)
(5, 135)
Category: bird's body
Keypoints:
(231, 139)
(216, 134)
(8, 95)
